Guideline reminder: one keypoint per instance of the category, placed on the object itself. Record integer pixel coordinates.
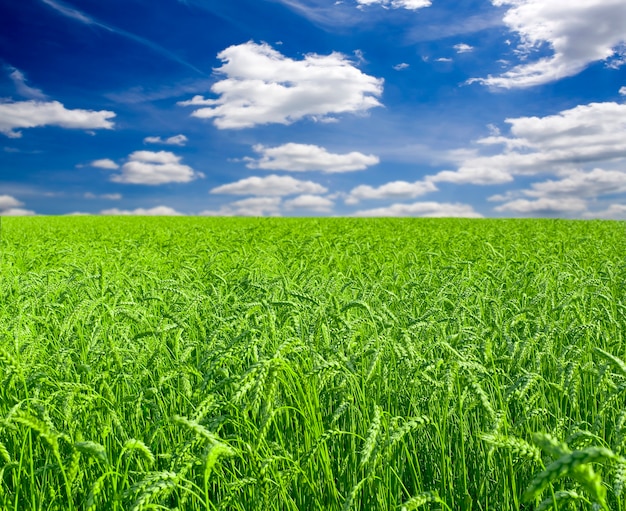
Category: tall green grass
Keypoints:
(305, 364)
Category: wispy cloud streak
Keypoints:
(77, 15)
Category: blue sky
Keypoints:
(492, 108)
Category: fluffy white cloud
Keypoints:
(155, 168)
(558, 144)
(254, 206)
(156, 211)
(311, 203)
(178, 140)
(622, 90)
(411, 5)
(303, 157)
(578, 33)
(31, 114)
(463, 48)
(545, 206)
(105, 163)
(392, 190)
(10, 206)
(272, 185)
(423, 209)
(262, 86)
(6, 202)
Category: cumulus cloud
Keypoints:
(254, 206)
(311, 203)
(412, 5)
(105, 163)
(622, 90)
(10, 206)
(423, 209)
(178, 140)
(545, 206)
(558, 144)
(463, 48)
(273, 185)
(155, 168)
(156, 211)
(303, 157)
(32, 114)
(22, 88)
(262, 86)
(392, 190)
(577, 33)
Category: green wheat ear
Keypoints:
(618, 363)
(419, 500)
(93, 449)
(576, 465)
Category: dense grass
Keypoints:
(312, 364)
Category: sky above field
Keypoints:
(493, 108)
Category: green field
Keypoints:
(312, 364)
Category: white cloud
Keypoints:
(178, 140)
(422, 209)
(622, 90)
(156, 211)
(545, 206)
(155, 168)
(106, 196)
(105, 163)
(262, 86)
(303, 157)
(401, 66)
(254, 206)
(271, 185)
(411, 5)
(311, 203)
(22, 88)
(556, 144)
(32, 114)
(6, 202)
(16, 212)
(463, 48)
(443, 59)
(10, 206)
(582, 184)
(392, 190)
(578, 33)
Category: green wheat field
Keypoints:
(312, 364)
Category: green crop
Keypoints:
(312, 364)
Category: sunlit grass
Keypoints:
(331, 364)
